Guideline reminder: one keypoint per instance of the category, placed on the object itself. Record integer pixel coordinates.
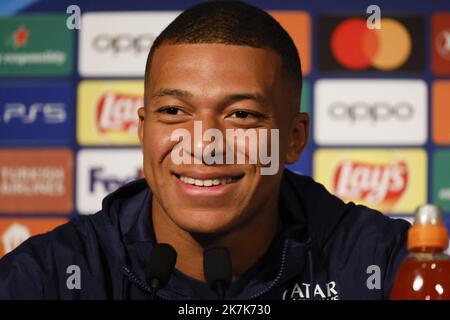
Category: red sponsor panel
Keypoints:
(36, 181)
(440, 38)
(298, 25)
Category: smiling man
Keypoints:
(232, 68)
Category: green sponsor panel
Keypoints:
(35, 45)
(304, 103)
(441, 179)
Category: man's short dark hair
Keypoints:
(233, 23)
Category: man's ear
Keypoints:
(298, 137)
(141, 115)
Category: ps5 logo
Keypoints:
(51, 113)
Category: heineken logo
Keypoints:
(25, 48)
(20, 37)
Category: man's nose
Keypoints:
(207, 138)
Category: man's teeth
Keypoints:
(206, 182)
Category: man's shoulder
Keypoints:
(327, 216)
(90, 235)
(372, 229)
(40, 266)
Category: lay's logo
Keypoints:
(391, 181)
(107, 112)
(117, 112)
(380, 184)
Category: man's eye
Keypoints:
(246, 114)
(170, 110)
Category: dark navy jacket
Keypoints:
(326, 249)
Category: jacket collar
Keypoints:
(304, 206)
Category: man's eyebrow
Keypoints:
(172, 92)
(245, 96)
(229, 99)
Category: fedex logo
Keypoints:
(99, 179)
(102, 171)
(46, 112)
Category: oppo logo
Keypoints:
(122, 43)
(374, 112)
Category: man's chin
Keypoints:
(206, 223)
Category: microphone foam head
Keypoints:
(162, 263)
(217, 266)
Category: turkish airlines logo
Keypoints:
(34, 181)
(118, 112)
(372, 183)
(345, 43)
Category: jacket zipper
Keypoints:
(277, 278)
(141, 284)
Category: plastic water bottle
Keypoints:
(425, 272)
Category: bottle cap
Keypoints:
(428, 229)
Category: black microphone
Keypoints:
(217, 269)
(162, 263)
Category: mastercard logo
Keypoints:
(358, 48)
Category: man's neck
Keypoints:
(247, 243)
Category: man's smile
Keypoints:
(208, 184)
